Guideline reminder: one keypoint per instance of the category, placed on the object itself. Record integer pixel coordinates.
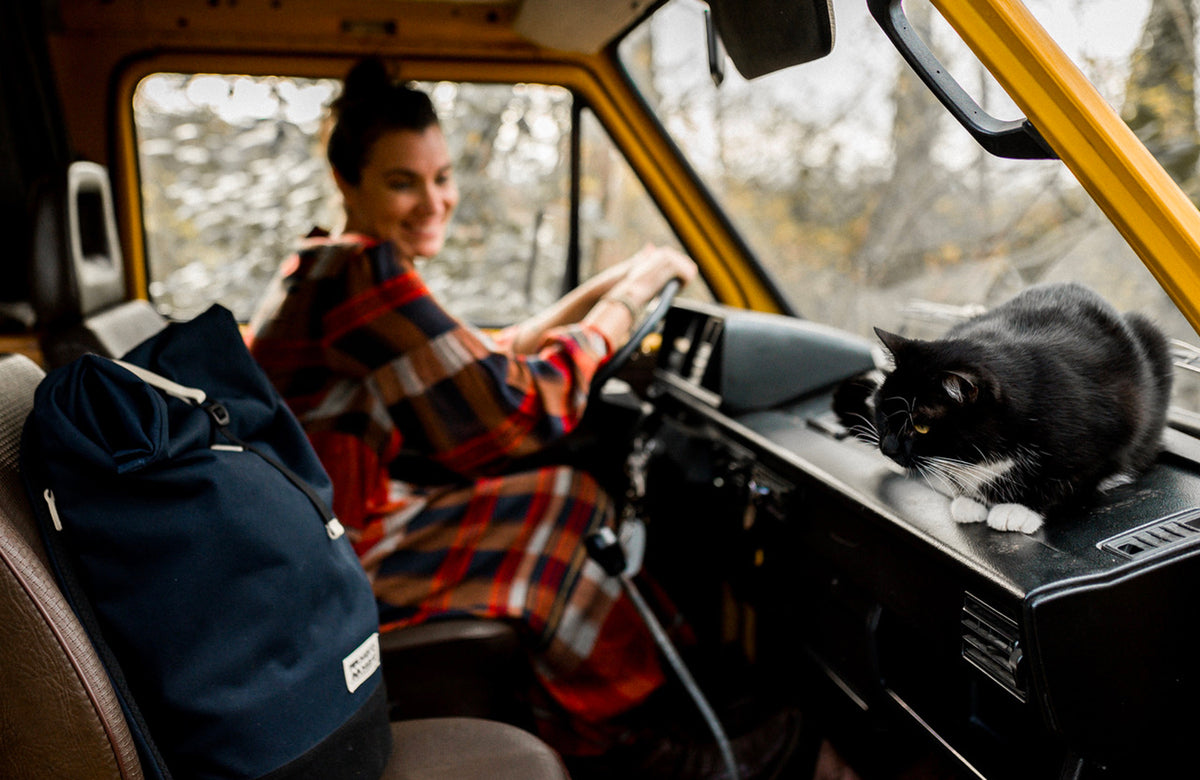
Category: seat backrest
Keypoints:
(76, 270)
(60, 717)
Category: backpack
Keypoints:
(186, 517)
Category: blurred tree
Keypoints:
(893, 243)
(1160, 95)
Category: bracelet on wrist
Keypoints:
(628, 304)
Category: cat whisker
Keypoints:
(866, 436)
(867, 422)
(864, 431)
(930, 472)
(974, 478)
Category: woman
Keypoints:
(380, 375)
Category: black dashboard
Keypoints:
(1064, 653)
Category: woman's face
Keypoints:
(406, 193)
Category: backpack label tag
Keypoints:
(361, 663)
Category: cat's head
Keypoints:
(939, 401)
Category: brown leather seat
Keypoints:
(59, 716)
(461, 748)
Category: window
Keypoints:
(871, 207)
(233, 173)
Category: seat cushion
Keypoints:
(469, 748)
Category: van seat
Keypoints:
(60, 717)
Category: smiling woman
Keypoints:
(421, 422)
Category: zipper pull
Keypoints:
(48, 495)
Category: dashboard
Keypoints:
(1064, 653)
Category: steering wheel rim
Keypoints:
(614, 364)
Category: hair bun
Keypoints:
(371, 104)
(367, 80)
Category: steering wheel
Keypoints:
(613, 366)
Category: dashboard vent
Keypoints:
(991, 642)
(1159, 535)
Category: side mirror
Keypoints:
(763, 36)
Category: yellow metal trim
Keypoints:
(700, 228)
(126, 183)
(1149, 209)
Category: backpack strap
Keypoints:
(220, 416)
(193, 395)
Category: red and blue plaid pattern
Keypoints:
(380, 375)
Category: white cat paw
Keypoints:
(968, 510)
(1014, 517)
(1115, 481)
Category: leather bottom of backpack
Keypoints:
(358, 750)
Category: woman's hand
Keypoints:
(641, 278)
(612, 301)
(647, 272)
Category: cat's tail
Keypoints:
(1161, 369)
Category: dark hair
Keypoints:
(370, 105)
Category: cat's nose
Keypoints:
(898, 449)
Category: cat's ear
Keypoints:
(894, 342)
(961, 386)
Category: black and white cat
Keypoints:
(1034, 405)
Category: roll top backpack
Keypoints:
(187, 518)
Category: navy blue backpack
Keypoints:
(187, 518)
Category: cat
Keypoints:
(1035, 405)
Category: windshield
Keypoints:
(867, 203)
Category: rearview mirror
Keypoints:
(763, 36)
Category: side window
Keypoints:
(233, 174)
(617, 215)
(505, 254)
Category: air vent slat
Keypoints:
(991, 643)
(1163, 534)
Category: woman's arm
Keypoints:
(609, 301)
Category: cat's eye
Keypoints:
(920, 427)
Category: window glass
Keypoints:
(505, 253)
(617, 215)
(870, 206)
(233, 174)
